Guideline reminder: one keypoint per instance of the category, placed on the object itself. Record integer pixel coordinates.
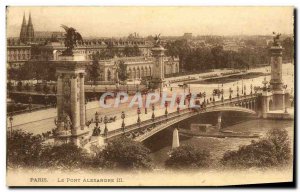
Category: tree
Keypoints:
(273, 150)
(65, 156)
(94, 70)
(19, 86)
(136, 51)
(280, 140)
(10, 86)
(123, 153)
(46, 89)
(23, 149)
(122, 70)
(27, 87)
(288, 49)
(188, 157)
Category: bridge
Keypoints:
(143, 130)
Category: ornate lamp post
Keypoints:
(218, 92)
(222, 91)
(139, 119)
(46, 100)
(166, 106)
(105, 128)
(85, 102)
(265, 82)
(30, 103)
(97, 120)
(178, 102)
(237, 91)
(146, 111)
(11, 123)
(153, 115)
(204, 95)
(123, 123)
(230, 92)
(251, 89)
(244, 89)
(242, 86)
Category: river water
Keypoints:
(160, 144)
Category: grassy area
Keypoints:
(229, 79)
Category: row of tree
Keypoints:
(203, 58)
(27, 150)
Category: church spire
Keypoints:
(23, 30)
(29, 21)
(30, 30)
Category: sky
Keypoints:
(169, 21)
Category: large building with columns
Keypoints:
(136, 67)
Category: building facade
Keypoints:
(137, 68)
(134, 50)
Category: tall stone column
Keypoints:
(71, 100)
(59, 95)
(276, 75)
(82, 102)
(75, 111)
(158, 73)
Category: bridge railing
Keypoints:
(150, 123)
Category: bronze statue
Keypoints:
(71, 39)
(276, 38)
(67, 122)
(157, 41)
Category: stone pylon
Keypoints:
(175, 142)
(158, 68)
(276, 76)
(71, 126)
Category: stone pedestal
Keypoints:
(278, 100)
(219, 124)
(71, 127)
(266, 99)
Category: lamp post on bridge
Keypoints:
(97, 120)
(105, 128)
(178, 102)
(237, 91)
(30, 103)
(146, 93)
(251, 89)
(166, 111)
(222, 98)
(230, 92)
(85, 103)
(123, 123)
(139, 119)
(153, 116)
(242, 86)
(245, 90)
(11, 124)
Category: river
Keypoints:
(160, 144)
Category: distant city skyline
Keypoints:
(169, 21)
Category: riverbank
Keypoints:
(229, 79)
